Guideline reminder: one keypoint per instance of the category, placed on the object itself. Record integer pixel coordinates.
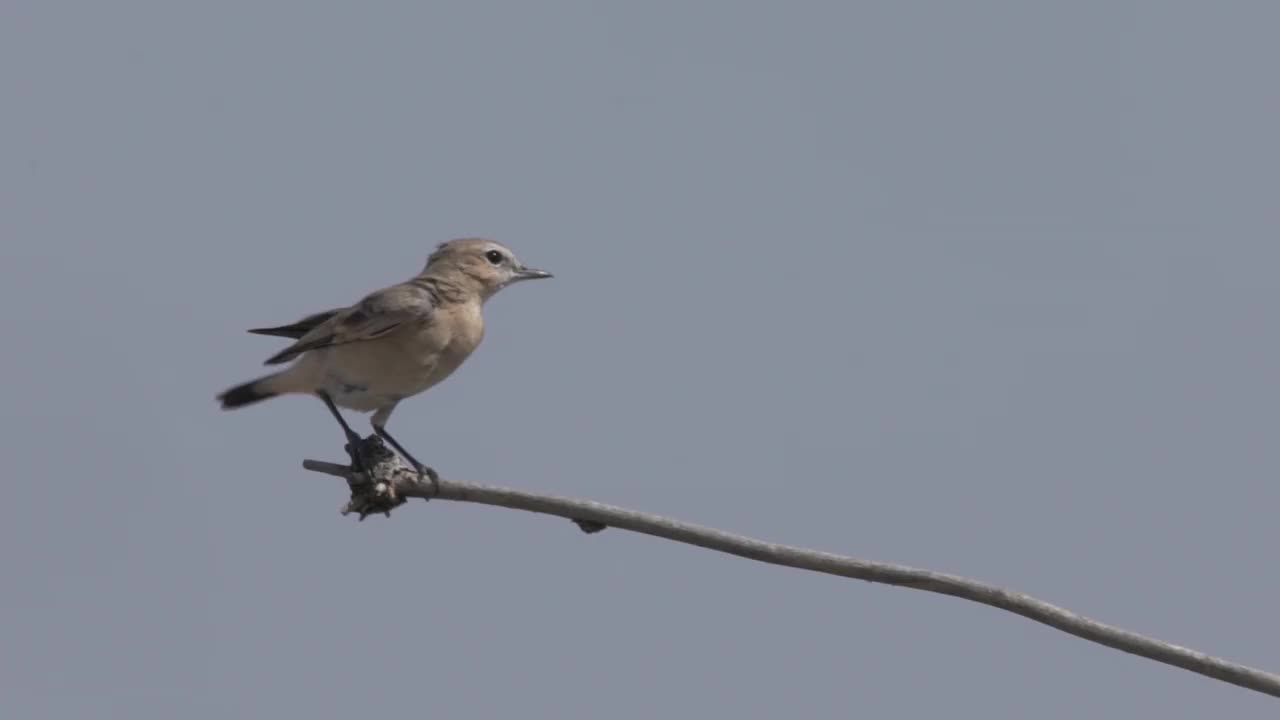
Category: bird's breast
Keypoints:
(380, 372)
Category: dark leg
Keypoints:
(357, 462)
(423, 470)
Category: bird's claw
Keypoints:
(357, 458)
(428, 473)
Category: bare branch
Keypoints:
(390, 482)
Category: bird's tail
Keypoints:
(249, 393)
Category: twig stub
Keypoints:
(373, 491)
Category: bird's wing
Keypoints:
(300, 328)
(376, 315)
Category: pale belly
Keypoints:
(365, 381)
(358, 398)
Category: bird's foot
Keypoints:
(354, 451)
(427, 473)
(424, 472)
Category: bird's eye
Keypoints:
(494, 257)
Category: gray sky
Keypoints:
(983, 287)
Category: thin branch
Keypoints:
(390, 482)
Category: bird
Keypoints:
(395, 343)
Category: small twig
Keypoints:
(392, 481)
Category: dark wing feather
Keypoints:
(373, 317)
(300, 328)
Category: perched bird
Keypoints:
(393, 344)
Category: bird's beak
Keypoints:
(531, 274)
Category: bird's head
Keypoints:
(482, 264)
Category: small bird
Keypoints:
(395, 343)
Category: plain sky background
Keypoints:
(983, 287)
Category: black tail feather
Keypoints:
(246, 394)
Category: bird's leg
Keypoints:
(423, 470)
(353, 440)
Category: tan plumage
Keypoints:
(394, 343)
